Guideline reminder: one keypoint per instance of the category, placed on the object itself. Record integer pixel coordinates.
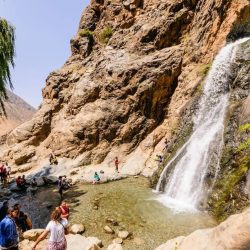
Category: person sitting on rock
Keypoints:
(53, 159)
(22, 219)
(20, 183)
(96, 178)
(24, 183)
(159, 158)
(64, 210)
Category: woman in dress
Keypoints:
(57, 228)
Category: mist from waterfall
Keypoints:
(184, 186)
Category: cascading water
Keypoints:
(184, 187)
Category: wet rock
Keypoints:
(40, 181)
(114, 246)
(51, 179)
(108, 230)
(77, 229)
(123, 234)
(5, 192)
(32, 234)
(14, 188)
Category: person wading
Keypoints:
(64, 210)
(57, 228)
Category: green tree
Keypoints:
(7, 53)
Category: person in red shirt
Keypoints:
(64, 207)
(116, 164)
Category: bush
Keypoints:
(105, 35)
(86, 33)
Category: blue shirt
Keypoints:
(8, 233)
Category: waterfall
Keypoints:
(183, 185)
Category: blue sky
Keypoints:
(43, 32)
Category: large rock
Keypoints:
(114, 246)
(76, 241)
(231, 234)
(126, 94)
(32, 234)
(123, 234)
(77, 229)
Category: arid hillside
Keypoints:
(18, 112)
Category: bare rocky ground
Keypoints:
(18, 112)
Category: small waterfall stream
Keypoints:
(184, 187)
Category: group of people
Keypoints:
(13, 222)
(5, 171)
(63, 184)
(97, 178)
(21, 182)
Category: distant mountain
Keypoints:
(18, 111)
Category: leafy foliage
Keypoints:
(86, 33)
(106, 35)
(7, 53)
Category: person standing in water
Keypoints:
(64, 210)
(116, 164)
(60, 187)
(57, 228)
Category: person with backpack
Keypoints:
(58, 228)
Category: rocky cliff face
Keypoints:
(17, 110)
(135, 67)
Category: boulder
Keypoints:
(77, 229)
(76, 240)
(231, 234)
(40, 181)
(32, 234)
(51, 179)
(114, 246)
(108, 230)
(117, 241)
(123, 234)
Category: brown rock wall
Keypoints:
(132, 90)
